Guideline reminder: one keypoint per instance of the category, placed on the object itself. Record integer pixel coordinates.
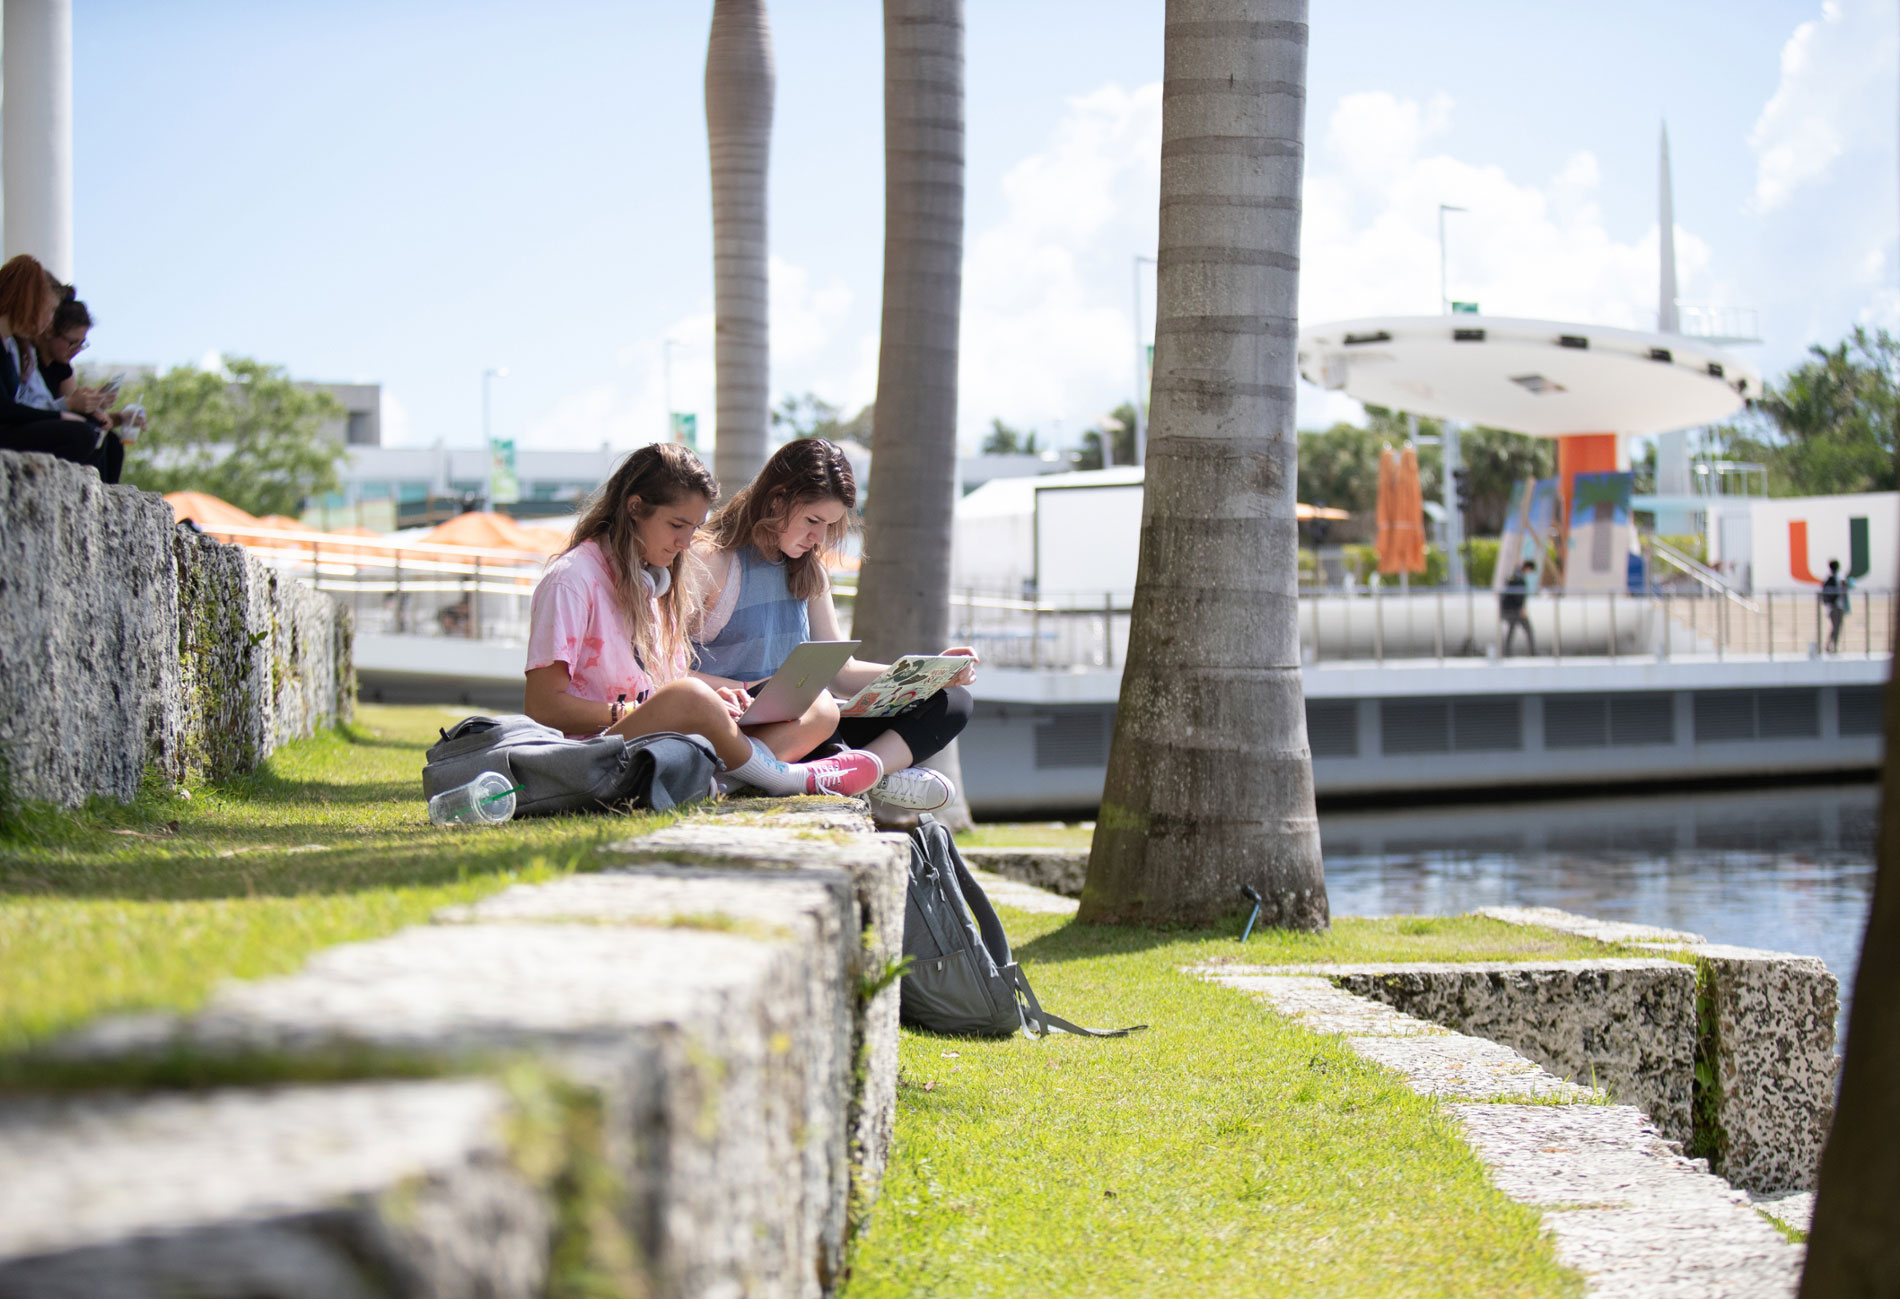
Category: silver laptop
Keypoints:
(807, 670)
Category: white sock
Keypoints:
(763, 771)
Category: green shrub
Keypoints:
(1481, 559)
(1692, 544)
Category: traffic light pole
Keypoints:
(1454, 503)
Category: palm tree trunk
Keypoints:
(739, 87)
(1854, 1249)
(1210, 783)
(903, 604)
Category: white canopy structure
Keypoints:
(1541, 377)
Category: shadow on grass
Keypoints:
(269, 863)
(364, 738)
(266, 786)
(1075, 941)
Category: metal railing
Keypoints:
(406, 587)
(1378, 624)
(419, 588)
(1710, 580)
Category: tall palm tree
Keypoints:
(739, 87)
(1854, 1249)
(903, 603)
(1210, 783)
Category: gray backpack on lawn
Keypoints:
(962, 978)
(556, 774)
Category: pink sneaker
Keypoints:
(850, 772)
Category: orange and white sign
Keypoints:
(1793, 538)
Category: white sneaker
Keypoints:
(918, 789)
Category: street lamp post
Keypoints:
(1141, 374)
(493, 372)
(1444, 298)
(666, 383)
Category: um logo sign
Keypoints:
(1803, 571)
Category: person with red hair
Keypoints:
(28, 298)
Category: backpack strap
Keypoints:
(988, 924)
(1038, 1022)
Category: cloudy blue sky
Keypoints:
(407, 191)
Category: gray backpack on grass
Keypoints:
(962, 978)
(556, 774)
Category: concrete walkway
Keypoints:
(1627, 1209)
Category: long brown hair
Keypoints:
(647, 480)
(803, 470)
(27, 296)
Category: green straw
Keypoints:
(504, 793)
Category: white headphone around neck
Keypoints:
(657, 580)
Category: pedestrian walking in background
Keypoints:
(1511, 608)
(1834, 599)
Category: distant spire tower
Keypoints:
(1673, 476)
(1667, 321)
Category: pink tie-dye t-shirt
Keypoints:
(575, 619)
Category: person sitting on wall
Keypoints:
(1511, 608)
(72, 322)
(767, 550)
(28, 299)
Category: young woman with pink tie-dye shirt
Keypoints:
(607, 648)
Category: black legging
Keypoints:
(80, 441)
(927, 727)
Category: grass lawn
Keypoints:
(1221, 1152)
(117, 908)
(1028, 834)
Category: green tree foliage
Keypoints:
(1113, 433)
(811, 416)
(251, 438)
(1002, 440)
(1495, 461)
(1828, 426)
(1340, 465)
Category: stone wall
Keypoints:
(129, 645)
(1059, 870)
(673, 1077)
(1765, 1062)
(1626, 1026)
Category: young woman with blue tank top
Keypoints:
(768, 592)
(607, 646)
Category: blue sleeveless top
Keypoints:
(766, 625)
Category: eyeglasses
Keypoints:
(78, 346)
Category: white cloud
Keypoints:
(1048, 333)
(629, 409)
(399, 430)
(804, 320)
(1522, 247)
(1832, 68)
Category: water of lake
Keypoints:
(1791, 870)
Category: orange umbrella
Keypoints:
(1408, 516)
(490, 531)
(551, 538)
(1388, 510)
(207, 511)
